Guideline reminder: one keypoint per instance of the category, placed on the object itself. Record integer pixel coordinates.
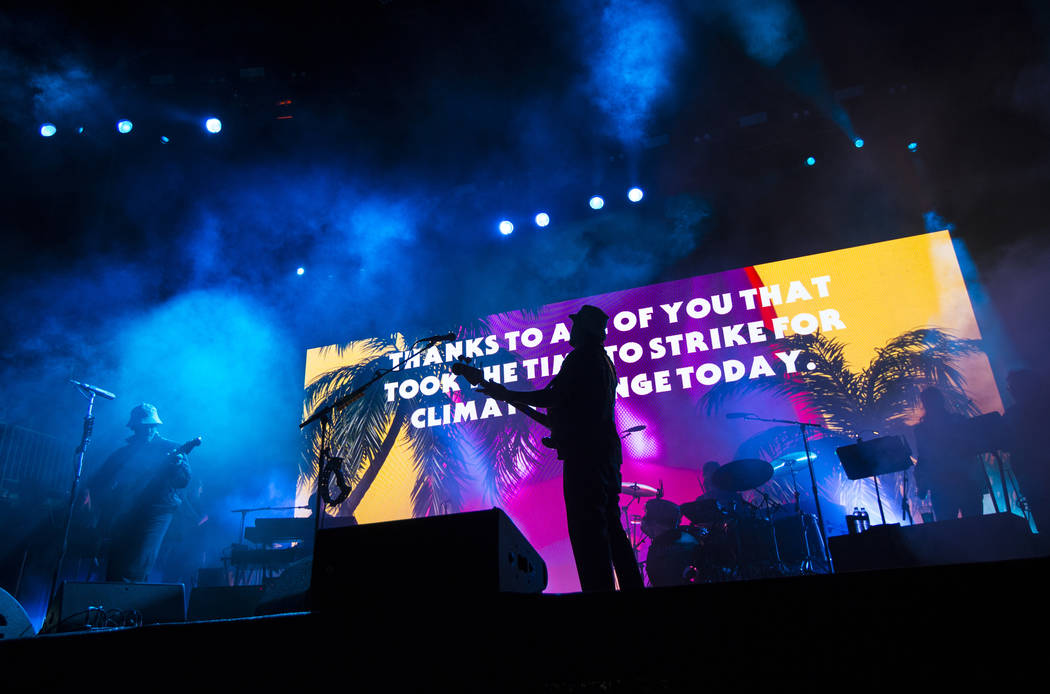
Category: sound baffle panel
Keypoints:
(481, 552)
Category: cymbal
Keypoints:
(792, 462)
(741, 475)
(638, 490)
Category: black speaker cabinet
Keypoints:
(481, 552)
(996, 537)
(77, 605)
(223, 602)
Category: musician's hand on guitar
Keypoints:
(496, 391)
(180, 473)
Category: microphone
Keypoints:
(739, 415)
(447, 337)
(97, 391)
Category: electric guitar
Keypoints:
(475, 377)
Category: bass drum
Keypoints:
(673, 557)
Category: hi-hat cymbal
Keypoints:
(638, 490)
(744, 474)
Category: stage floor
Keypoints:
(875, 628)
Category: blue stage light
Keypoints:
(48, 129)
(124, 126)
(543, 219)
(213, 125)
(858, 143)
(505, 227)
(164, 139)
(912, 146)
(635, 194)
(80, 130)
(597, 203)
(810, 161)
(300, 271)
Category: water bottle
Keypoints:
(865, 520)
(853, 524)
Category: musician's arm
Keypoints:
(544, 397)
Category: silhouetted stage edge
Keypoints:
(822, 630)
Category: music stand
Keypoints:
(873, 458)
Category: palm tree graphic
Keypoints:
(365, 433)
(877, 400)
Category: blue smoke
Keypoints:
(769, 29)
(632, 62)
(935, 222)
(773, 33)
(64, 90)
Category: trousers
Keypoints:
(599, 541)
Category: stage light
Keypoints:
(300, 271)
(597, 203)
(505, 227)
(48, 129)
(810, 161)
(164, 139)
(635, 194)
(912, 146)
(124, 126)
(858, 143)
(213, 125)
(80, 130)
(543, 219)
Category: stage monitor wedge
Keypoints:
(480, 552)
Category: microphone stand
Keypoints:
(812, 476)
(324, 415)
(78, 468)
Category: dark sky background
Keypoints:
(166, 272)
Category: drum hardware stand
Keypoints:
(632, 534)
(812, 476)
(324, 415)
(906, 505)
(807, 563)
(770, 508)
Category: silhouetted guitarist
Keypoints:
(580, 402)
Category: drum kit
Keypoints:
(726, 538)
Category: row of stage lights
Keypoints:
(634, 195)
(596, 202)
(124, 126)
(543, 219)
(858, 143)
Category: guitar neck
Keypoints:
(531, 412)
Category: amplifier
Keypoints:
(81, 606)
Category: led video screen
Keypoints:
(772, 340)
